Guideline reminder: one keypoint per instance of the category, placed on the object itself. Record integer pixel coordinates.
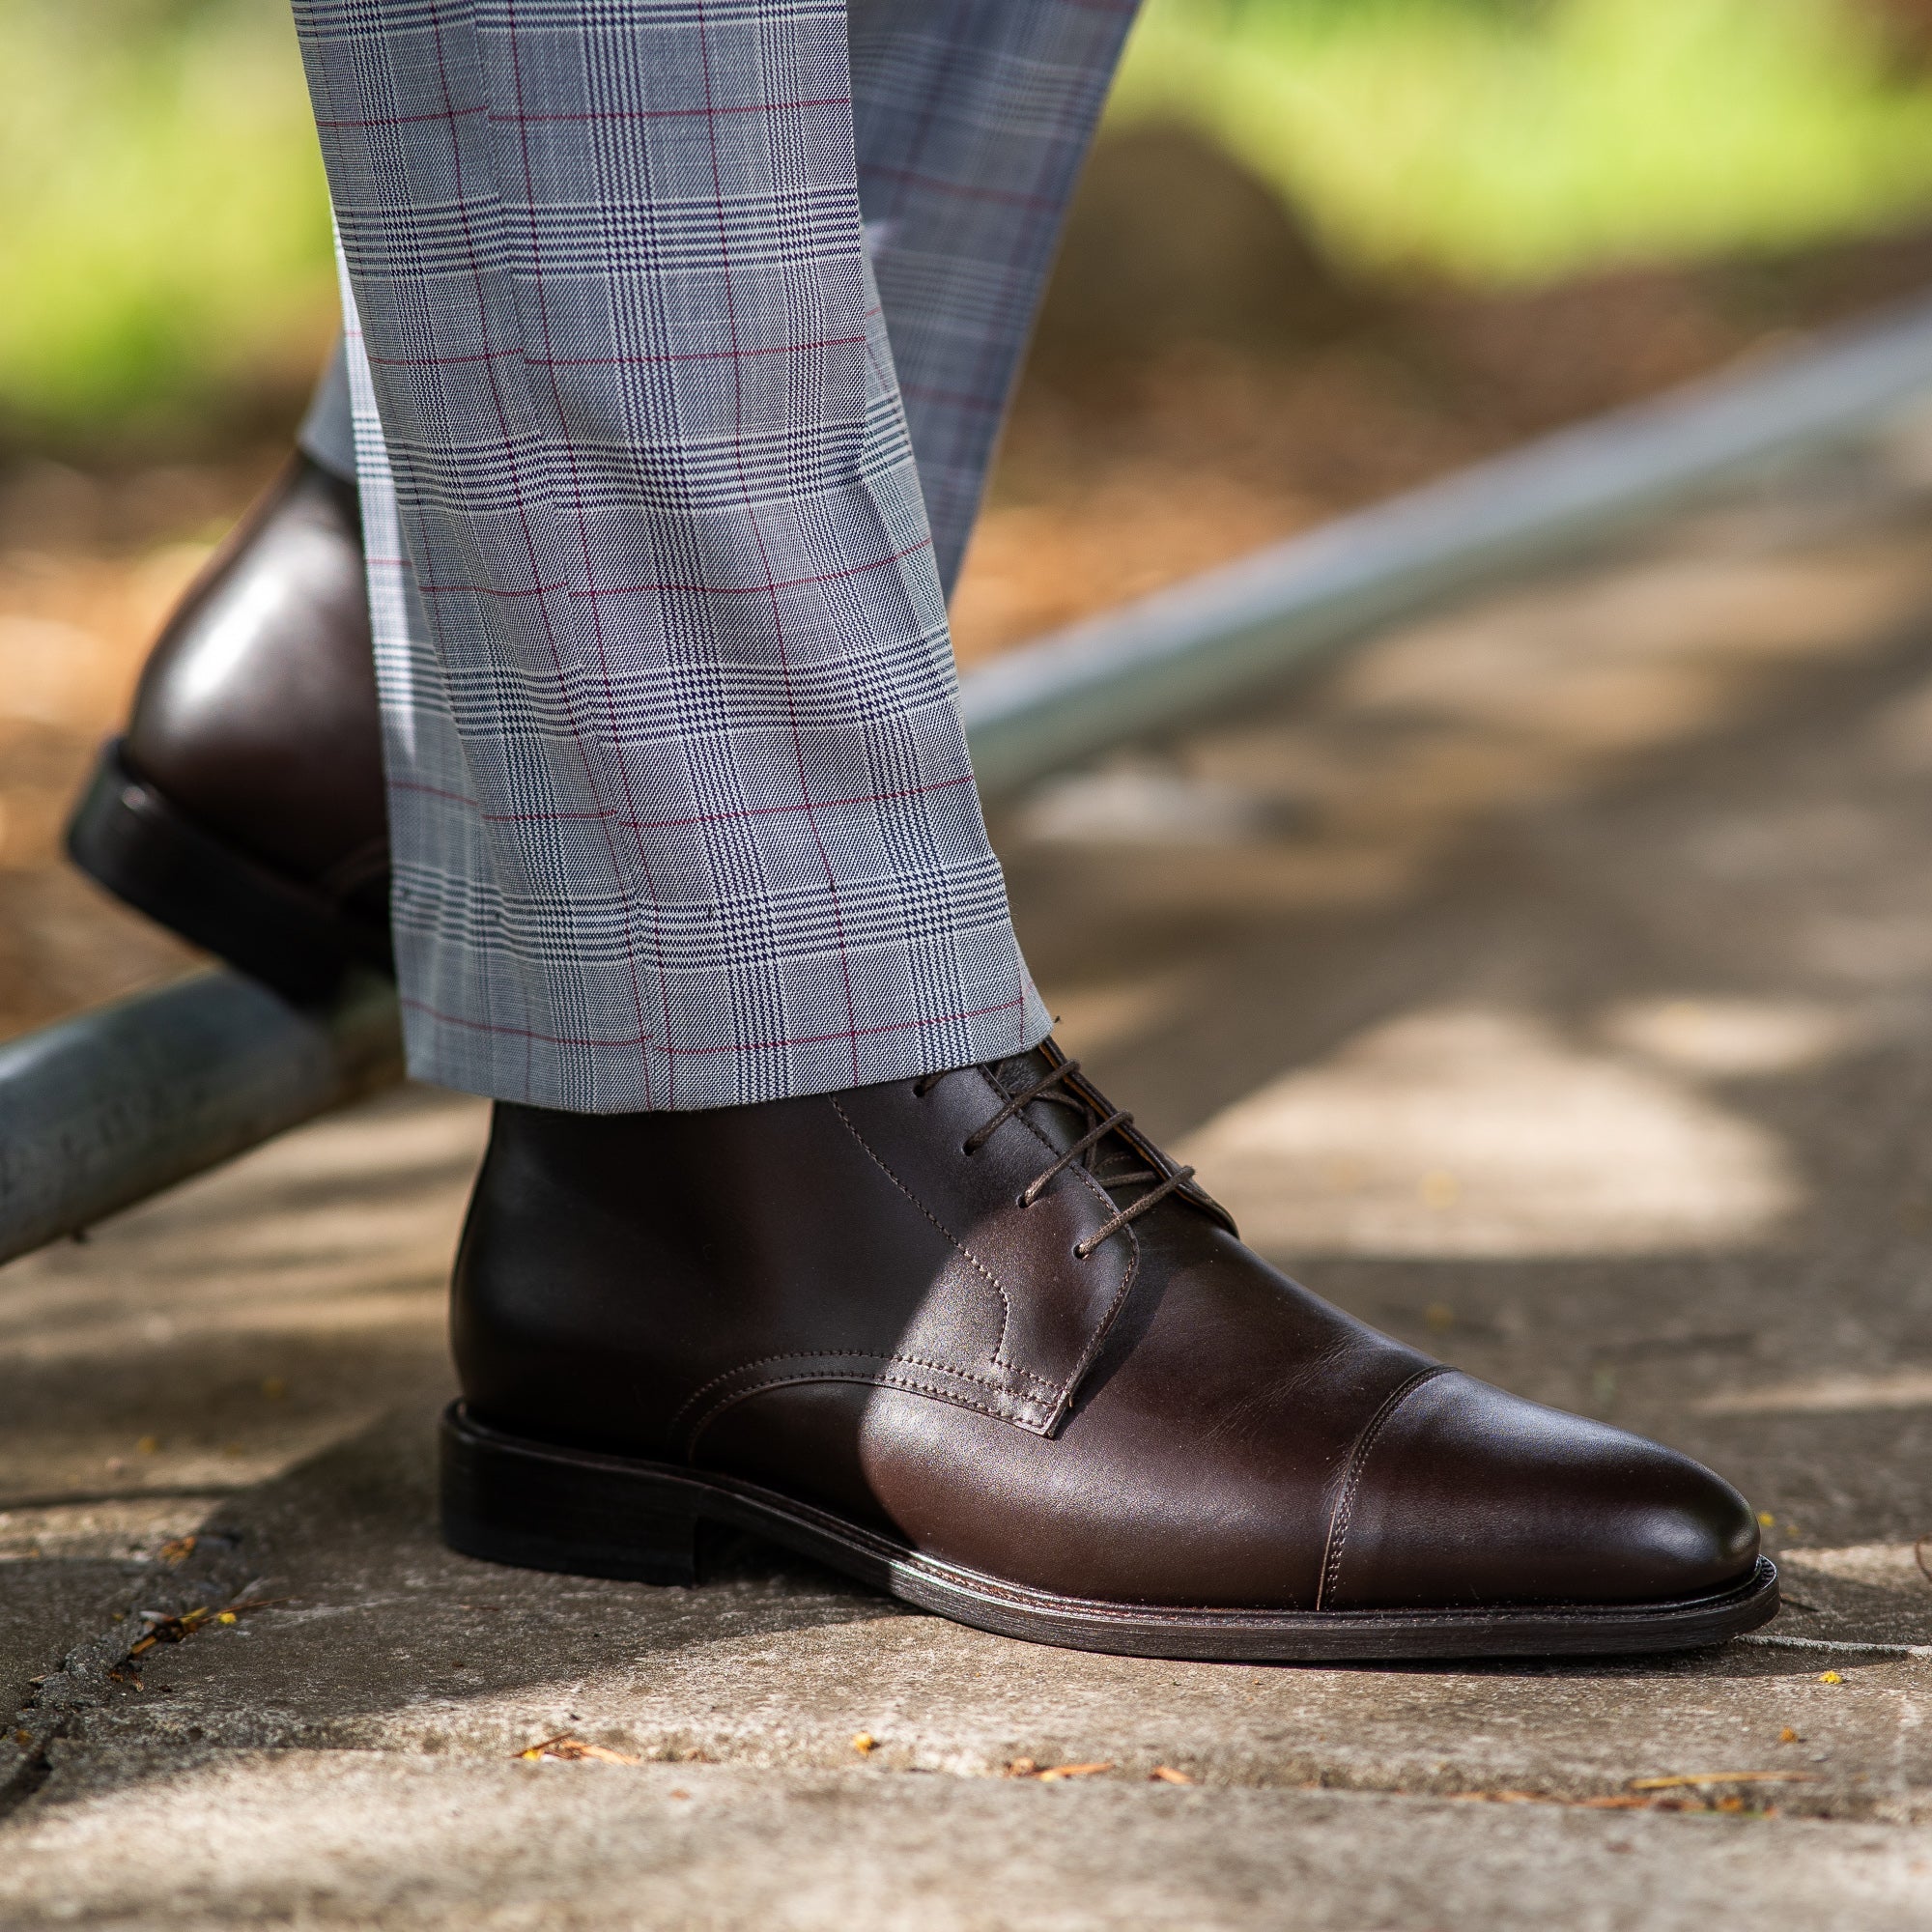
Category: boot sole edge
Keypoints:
(534, 1505)
(129, 836)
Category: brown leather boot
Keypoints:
(243, 808)
(974, 1339)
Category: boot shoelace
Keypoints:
(1042, 1089)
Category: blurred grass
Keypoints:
(1512, 141)
(165, 245)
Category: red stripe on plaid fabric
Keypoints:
(592, 1041)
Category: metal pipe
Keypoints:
(1180, 654)
(113, 1105)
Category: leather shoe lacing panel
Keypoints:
(1044, 1089)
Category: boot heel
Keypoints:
(125, 835)
(540, 1507)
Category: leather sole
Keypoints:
(126, 834)
(509, 1500)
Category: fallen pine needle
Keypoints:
(171, 1630)
(178, 1629)
(1059, 1770)
(1166, 1773)
(1719, 1777)
(567, 1749)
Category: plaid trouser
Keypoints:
(679, 795)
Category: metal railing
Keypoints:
(1183, 652)
(114, 1106)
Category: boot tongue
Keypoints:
(1022, 1069)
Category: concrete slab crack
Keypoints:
(219, 1569)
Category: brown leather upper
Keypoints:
(256, 714)
(830, 1297)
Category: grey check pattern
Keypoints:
(679, 795)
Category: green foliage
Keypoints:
(165, 248)
(1514, 140)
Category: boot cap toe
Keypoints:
(1461, 1493)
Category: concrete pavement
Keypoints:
(1551, 985)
